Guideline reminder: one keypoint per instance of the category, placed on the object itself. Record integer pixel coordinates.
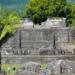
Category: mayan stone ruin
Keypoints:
(40, 51)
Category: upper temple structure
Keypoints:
(48, 48)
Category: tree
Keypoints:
(71, 18)
(9, 23)
(61, 8)
(39, 10)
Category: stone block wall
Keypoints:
(39, 45)
(34, 41)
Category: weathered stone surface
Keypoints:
(41, 39)
(41, 46)
(55, 22)
(50, 22)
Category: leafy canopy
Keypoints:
(39, 10)
(8, 23)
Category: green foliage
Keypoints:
(8, 23)
(43, 66)
(57, 7)
(39, 11)
(71, 18)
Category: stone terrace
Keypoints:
(41, 46)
